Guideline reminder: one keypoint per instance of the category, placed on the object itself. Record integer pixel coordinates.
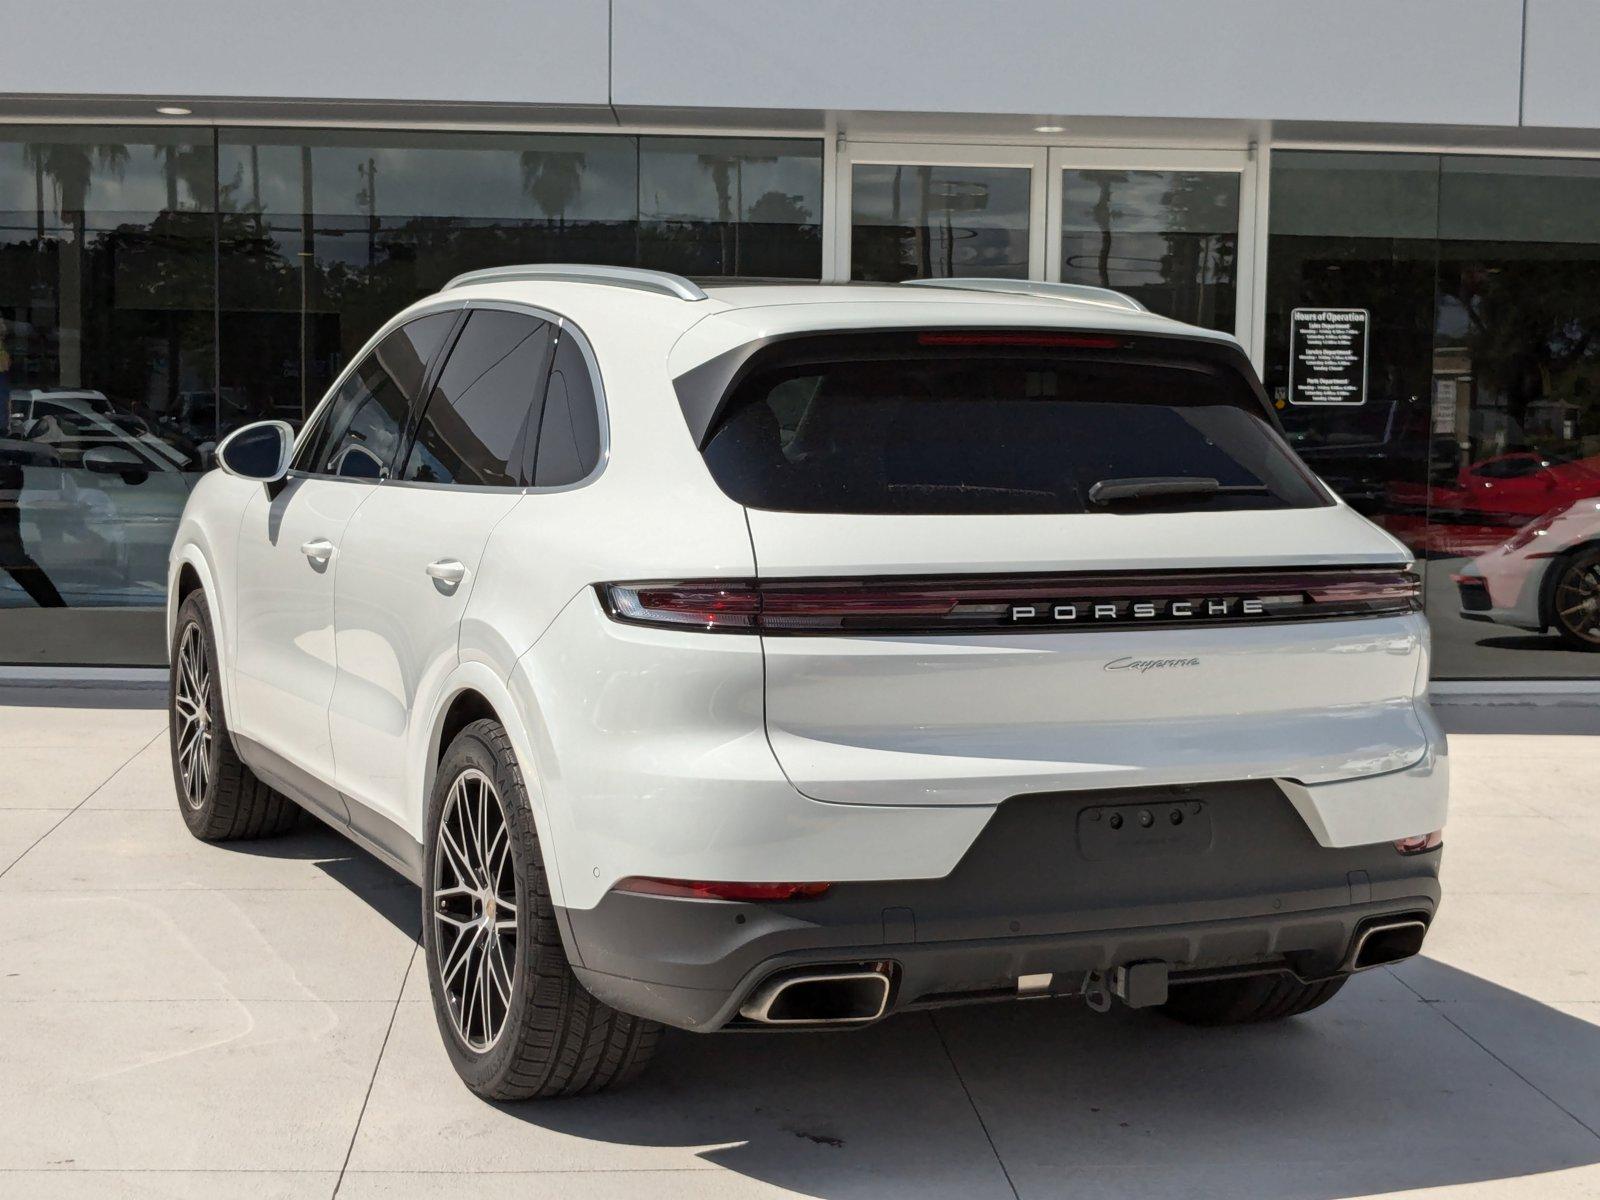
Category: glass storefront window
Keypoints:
(161, 287)
(731, 206)
(326, 234)
(1479, 439)
(107, 361)
(925, 221)
(1170, 239)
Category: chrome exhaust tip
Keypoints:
(846, 996)
(1387, 941)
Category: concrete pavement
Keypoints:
(178, 1019)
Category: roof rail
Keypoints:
(662, 282)
(1027, 287)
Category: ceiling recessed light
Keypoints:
(1049, 128)
(174, 110)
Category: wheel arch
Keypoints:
(472, 692)
(189, 572)
(1552, 571)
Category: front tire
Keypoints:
(1248, 1001)
(219, 797)
(515, 1020)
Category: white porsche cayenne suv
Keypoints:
(788, 656)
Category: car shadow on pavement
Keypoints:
(375, 883)
(1381, 1091)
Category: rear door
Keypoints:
(290, 549)
(411, 555)
(1003, 562)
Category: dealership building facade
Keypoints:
(207, 208)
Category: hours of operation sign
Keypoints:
(1328, 356)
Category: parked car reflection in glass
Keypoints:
(90, 497)
(1545, 578)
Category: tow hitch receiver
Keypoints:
(1138, 985)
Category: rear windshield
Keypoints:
(991, 423)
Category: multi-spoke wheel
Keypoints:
(515, 1020)
(475, 910)
(1575, 600)
(217, 795)
(191, 715)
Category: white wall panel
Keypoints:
(1439, 61)
(1562, 87)
(521, 51)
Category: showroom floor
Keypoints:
(179, 1019)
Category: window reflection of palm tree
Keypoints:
(552, 179)
(70, 168)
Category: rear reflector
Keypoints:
(696, 889)
(1422, 843)
(956, 604)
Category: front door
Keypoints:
(284, 661)
(290, 550)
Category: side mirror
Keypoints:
(260, 451)
(115, 460)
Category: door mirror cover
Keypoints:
(260, 451)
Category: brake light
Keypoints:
(1402, 589)
(1420, 844)
(955, 604)
(697, 889)
(1077, 341)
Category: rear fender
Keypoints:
(515, 719)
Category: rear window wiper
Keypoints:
(1167, 487)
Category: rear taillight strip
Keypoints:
(1035, 602)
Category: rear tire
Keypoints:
(1250, 1000)
(220, 798)
(515, 1020)
(1575, 599)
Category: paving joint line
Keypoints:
(1438, 1007)
(97, 790)
(933, 1020)
(377, 1063)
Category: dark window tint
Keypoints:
(359, 431)
(472, 429)
(569, 435)
(890, 425)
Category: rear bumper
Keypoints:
(1044, 889)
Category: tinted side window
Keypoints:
(569, 433)
(473, 428)
(358, 433)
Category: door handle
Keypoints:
(447, 570)
(318, 550)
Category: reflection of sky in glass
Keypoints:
(1150, 201)
(678, 180)
(578, 178)
(126, 171)
(474, 176)
(972, 197)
